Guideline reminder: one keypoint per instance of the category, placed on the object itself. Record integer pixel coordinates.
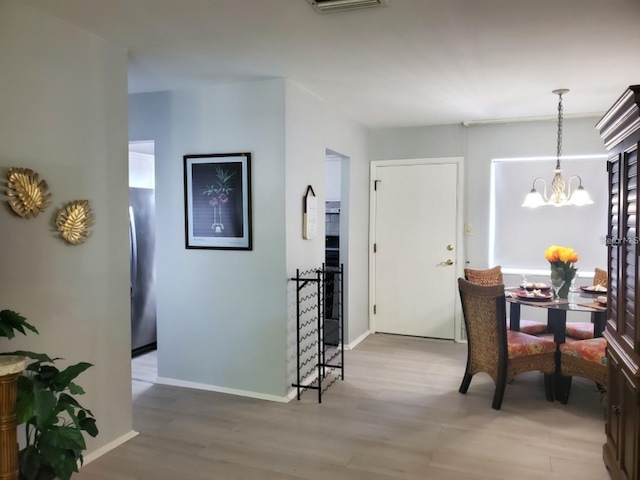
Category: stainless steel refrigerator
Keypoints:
(142, 255)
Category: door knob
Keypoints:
(448, 262)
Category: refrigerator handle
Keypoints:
(133, 252)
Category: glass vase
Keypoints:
(556, 285)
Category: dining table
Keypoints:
(579, 301)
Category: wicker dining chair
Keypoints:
(584, 330)
(493, 276)
(496, 351)
(601, 277)
(583, 358)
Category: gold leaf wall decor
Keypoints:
(29, 195)
(74, 220)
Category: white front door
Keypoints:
(415, 249)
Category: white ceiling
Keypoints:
(414, 62)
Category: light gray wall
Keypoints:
(313, 127)
(221, 313)
(64, 114)
(479, 145)
(525, 139)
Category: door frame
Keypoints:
(459, 335)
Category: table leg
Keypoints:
(599, 322)
(557, 321)
(514, 317)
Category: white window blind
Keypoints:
(520, 236)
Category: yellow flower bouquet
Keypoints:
(563, 269)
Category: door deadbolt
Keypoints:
(449, 247)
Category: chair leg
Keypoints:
(499, 393)
(565, 388)
(548, 386)
(466, 380)
(501, 381)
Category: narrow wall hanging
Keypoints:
(310, 214)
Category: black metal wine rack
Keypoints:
(319, 323)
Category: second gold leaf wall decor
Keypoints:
(29, 195)
(74, 220)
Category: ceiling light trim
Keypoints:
(330, 6)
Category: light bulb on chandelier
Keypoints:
(558, 197)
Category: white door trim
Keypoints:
(460, 250)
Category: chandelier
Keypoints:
(558, 197)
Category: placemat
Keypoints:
(594, 305)
(542, 304)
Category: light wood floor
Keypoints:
(397, 415)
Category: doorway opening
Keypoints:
(142, 259)
(336, 196)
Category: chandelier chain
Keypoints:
(559, 150)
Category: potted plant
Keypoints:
(53, 419)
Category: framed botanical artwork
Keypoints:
(217, 198)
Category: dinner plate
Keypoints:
(536, 286)
(547, 296)
(591, 289)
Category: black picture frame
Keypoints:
(217, 199)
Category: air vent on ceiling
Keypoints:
(327, 6)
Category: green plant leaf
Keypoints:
(75, 389)
(65, 400)
(29, 461)
(64, 378)
(40, 357)
(25, 401)
(11, 321)
(63, 437)
(61, 447)
(89, 425)
(70, 405)
(62, 461)
(45, 407)
(47, 375)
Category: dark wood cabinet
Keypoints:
(620, 130)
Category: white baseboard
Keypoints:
(245, 393)
(109, 446)
(353, 344)
(213, 388)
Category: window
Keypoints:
(519, 236)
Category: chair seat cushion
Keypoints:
(580, 330)
(531, 327)
(521, 345)
(551, 336)
(593, 350)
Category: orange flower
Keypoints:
(551, 254)
(561, 254)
